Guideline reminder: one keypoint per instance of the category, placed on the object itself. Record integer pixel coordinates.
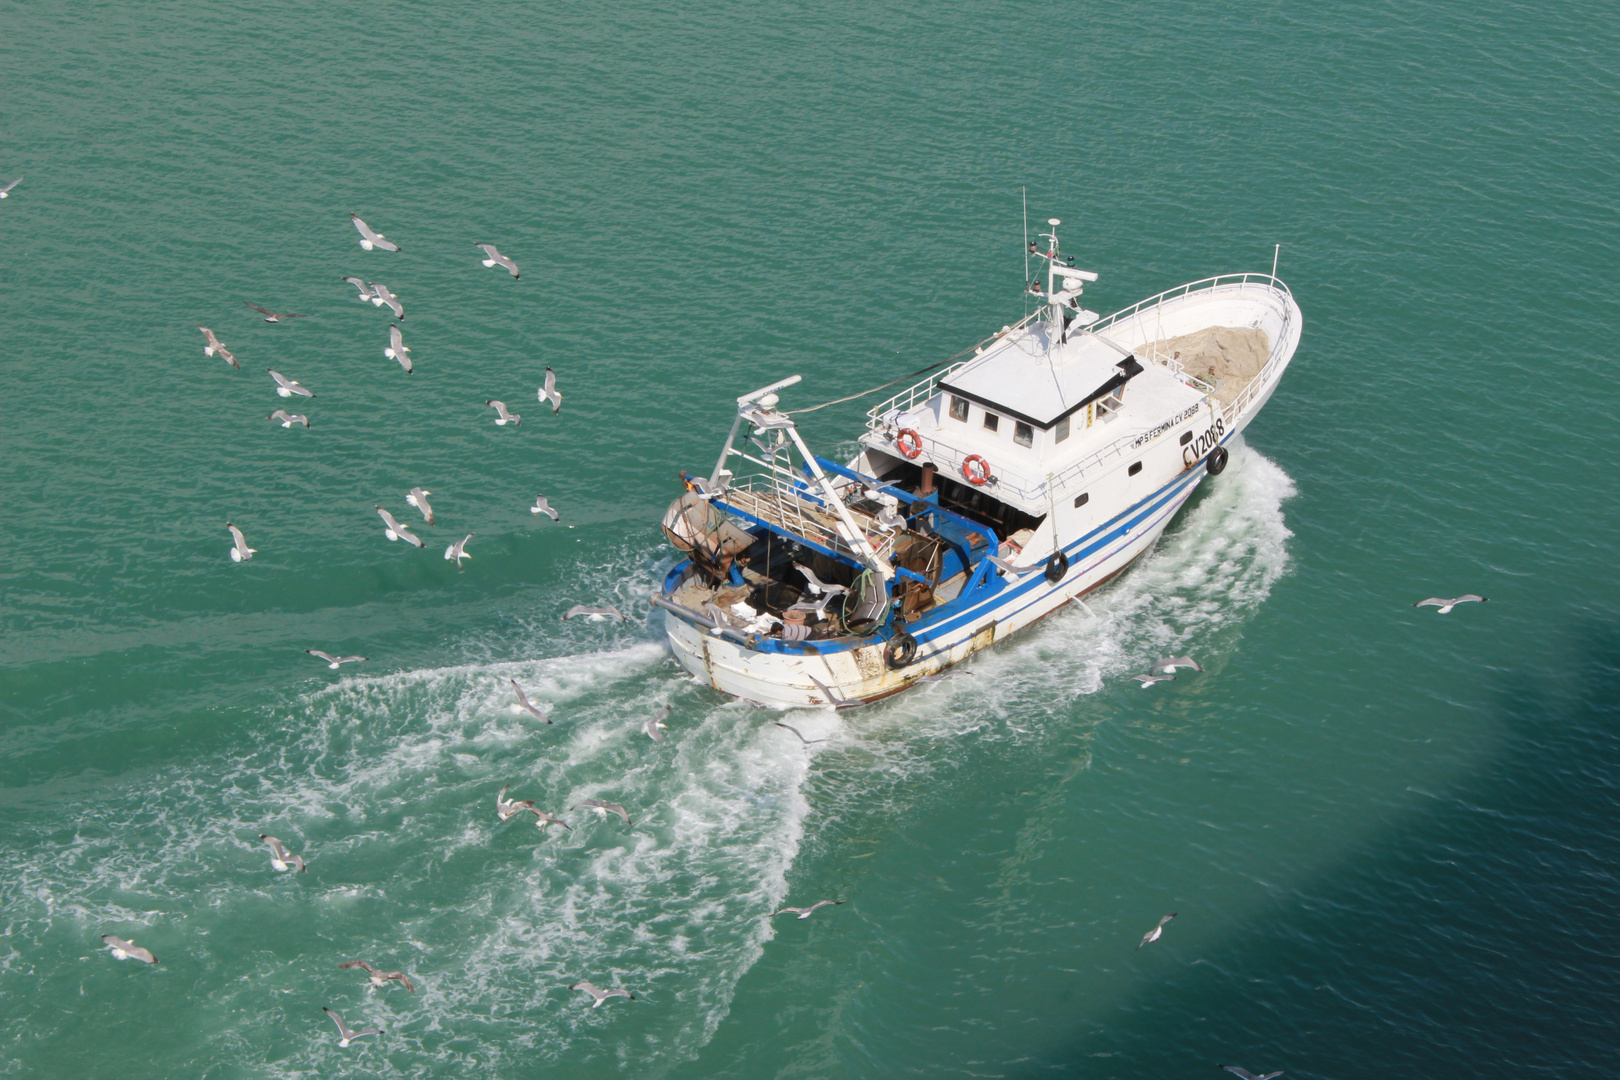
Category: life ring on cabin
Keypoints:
(1216, 462)
(900, 651)
(908, 442)
(1056, 567)
(977, 476)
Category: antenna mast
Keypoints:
(1275, 255)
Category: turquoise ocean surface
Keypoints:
(1390, 836)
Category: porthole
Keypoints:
(1082, 498)
(1134, 469)
(1186, 437)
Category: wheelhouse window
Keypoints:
(1110, 404)
(1060, 431)
(991, 421)
(959, 408)
(1023, 434)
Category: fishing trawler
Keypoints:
(990, 494)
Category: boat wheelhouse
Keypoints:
(983, 498)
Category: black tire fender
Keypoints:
(1216, 462)
(900, 651)
(1056, 567)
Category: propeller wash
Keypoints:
(983, 498)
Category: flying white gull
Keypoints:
(279, 858)
(602, 809)
(289, 419)
(497, 259)
(5, 192)
(1149, 680)
(503, 418)
(370, 239)
(1445, 606)
(214, 346)
(527, 705)
(1244, 1074)
(805, 912)
(1015, 571)
(799, 733)
(1155, 933)
(127, 950)
(1172, 663)
(542, 819)
(274, 316)
(380, 296)
(360, 283)
(831, 698)
(395, 531)
(541, 506)
(548, 392)
(380, 979)
(334, 662)
(654, 725)
(601, 995)
(288, 387)
(240, 552)
(506, 808)
(345, 1036)
(418, 499)
(595, 614)
(458, 550)
(397, 349)
(816, 585)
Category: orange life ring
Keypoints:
(976, 476)
(908, 442)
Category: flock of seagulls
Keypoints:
(379, 295)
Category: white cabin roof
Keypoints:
(1019, 376)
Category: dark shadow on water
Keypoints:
(1480, 939)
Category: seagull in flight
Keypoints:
(240, 552)
(1173, 663)
(274, 316)
(289, 419)
(506, 808)
(370, 239)
(5, 192)
(418, 499)
(818, 586)
(345, 1035)
(288, 387)
(503, 418)
(528, 706)
(542, 819)
(595, 614)
(127, 950)
(1015, 571)
(1149, 680)
(395, 531)
(654, 725)
(334, 662)
(380, 979)
(548, 392)
(361, 284)
(458, 550)
(602, 809)
(805, 912)
(601, 995)
(397, 349)
(541, 506)
(799, 733)
(829, 697)
(279, 858)
(497, 259)
(381, 296)
(214, 346)
(1154, 934)
(1244, 1074)
(1445, 606)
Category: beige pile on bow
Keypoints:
(1227, 356)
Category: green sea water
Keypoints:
(1389, 835)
